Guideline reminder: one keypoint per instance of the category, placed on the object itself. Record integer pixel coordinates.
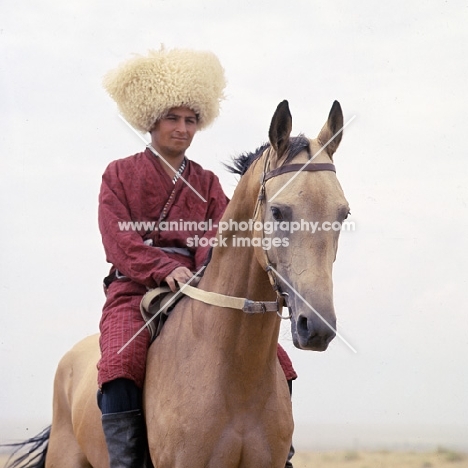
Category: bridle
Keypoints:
(268, 174)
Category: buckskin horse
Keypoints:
(215, 395)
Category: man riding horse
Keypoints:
(170, 94)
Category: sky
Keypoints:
(400, 280)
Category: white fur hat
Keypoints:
(145, 88)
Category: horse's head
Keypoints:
(302, 212)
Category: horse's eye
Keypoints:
(277, 216)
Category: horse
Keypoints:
(215, 394)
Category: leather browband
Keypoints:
(311, 167)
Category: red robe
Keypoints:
(136, 189)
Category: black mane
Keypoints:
(241, 163)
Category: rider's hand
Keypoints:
(180, 274)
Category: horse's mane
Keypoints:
(241, 163)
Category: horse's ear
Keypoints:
(332, 132)
(280, 128)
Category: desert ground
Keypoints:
(440, 458)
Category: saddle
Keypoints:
(155, 307)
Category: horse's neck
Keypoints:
(235, 271)
(246, 343)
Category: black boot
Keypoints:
(290, 455)
(125, 435)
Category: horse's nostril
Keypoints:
(302, 323)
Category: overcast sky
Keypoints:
(399, 67)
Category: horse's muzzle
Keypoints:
(314, 333)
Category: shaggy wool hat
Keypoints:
(146, 87)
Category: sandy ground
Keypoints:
(356, 459)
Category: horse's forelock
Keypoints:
(297, 145)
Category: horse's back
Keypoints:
(76, 419)
(75, 372)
